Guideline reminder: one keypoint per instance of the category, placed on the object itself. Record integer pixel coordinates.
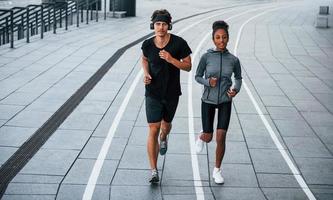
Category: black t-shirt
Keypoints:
(165, 83)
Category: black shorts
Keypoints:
(156, 110)
(208, 113)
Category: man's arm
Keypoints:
(146, 75)
(183, 64)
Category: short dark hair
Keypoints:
(161, 12)
(220, 24)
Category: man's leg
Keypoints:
(154, 111)
(152, 144)
(165, 130)
(170, 108)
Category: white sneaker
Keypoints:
(217, 176)
(199, 145)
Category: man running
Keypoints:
(164, 55)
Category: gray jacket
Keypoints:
(220, 65)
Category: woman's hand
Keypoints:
(212, 81)
(147, 79)
(231, 92)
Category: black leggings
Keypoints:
(208, 113)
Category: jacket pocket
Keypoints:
(206, 92)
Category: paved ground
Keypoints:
(280, 141)
(12, 3)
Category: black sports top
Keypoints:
(165, 83)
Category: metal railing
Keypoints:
(23, 22)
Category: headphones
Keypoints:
(152, 26)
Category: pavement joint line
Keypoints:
(296, 58)
(300, 112)
(273, 135)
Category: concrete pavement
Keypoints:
(287, 67)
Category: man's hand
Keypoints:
(147, 79)
(165, 56)
(183, 64)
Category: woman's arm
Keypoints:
(201, 70)
(237, 76)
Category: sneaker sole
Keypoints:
(154, 180)
(218, 183)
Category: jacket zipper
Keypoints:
(218, 96)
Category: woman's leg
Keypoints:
(220, 146)
(207, 118)
(224, 113)
(206, 137)
(219, 153)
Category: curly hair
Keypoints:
(220, 24)
(161, 12)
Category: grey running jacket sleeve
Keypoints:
(237, 76)
(201, 70)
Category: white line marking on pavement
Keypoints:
(107, 142)
(194, 158)
(273, 135)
